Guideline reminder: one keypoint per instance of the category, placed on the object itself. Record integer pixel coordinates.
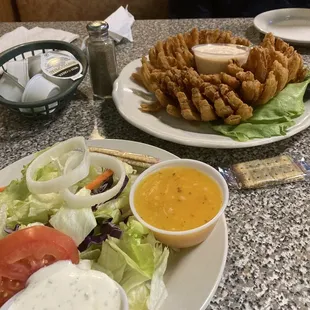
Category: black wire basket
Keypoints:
(50, 105)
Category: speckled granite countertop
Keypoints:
(268, 262)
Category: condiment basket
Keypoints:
(50, 105)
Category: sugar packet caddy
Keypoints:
(266, 172)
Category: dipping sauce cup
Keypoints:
(214, 58)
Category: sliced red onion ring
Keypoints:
(79, 172)
(77, 201)
(10, 230)
(106, 229)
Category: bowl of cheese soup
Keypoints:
(179, 200)
(214, 58)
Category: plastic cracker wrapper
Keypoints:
(262, 173)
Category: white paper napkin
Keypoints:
(22, 35)
(120, 23)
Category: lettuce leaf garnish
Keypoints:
(272, 119)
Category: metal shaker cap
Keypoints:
(97, 27)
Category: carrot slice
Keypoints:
(99, 180)
(2, 188)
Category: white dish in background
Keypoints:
(193, 275)
(292, 25)
(177, 130)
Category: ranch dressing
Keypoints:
(214, 58)
(65, 286)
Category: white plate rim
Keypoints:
(259, 22)
(225, 143)
(148, 150)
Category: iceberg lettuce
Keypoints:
(270, 119)
(137, 262)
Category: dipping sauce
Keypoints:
(65, 286)
(178, 198)
(214, 58)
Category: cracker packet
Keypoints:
(262, 173)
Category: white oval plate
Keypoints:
(292, 25)
(192, 275)
(180, 131)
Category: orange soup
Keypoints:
(178, 198)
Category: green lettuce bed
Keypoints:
(271, 119)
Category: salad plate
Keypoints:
(291, 25)
(192, 275)
(127, 100)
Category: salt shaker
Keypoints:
(102, 60)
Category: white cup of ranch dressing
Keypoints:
(214, 58)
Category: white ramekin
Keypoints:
(186, 238)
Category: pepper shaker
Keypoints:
(102, 60)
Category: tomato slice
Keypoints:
(25, 251)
